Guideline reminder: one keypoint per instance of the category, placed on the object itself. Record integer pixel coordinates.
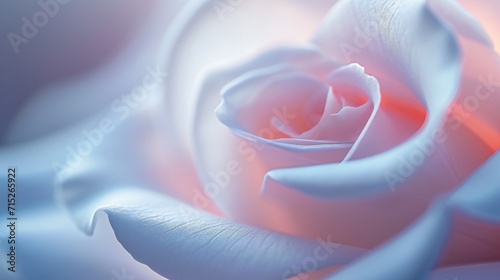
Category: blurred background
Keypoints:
(71, 40)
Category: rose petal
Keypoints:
(411, 254)
(477, 106)
(408, 256)
(477, 103)
(489, 271)
(269, 90)
(480, 194)
(460, 20)
(134, 152)
(172, 238)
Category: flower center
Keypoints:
(297, 106)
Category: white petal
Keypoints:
(460, 20)
(480, 194)
(408, 256)
(180, 242)
(489, 271)
(414, 252)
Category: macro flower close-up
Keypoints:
(250, 139)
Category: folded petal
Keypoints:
(480, 194)
(414, 252)
(407, 257)
(488, 271)
(479, 97)
(173, 238)
(460, 20)
(476, 105)
(132, 151)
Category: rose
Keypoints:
(423, 155)
(142, 228)
(226, 160)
